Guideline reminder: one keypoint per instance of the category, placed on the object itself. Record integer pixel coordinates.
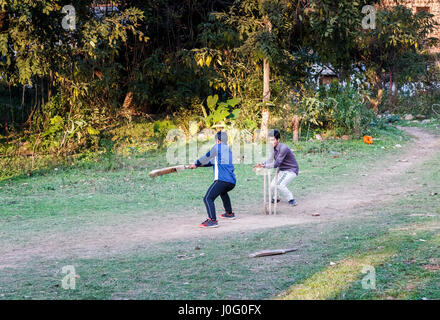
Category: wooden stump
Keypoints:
(276, 193)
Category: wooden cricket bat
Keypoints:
(161, 172)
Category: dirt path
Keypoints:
(375, 186)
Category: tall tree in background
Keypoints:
(162, 57)
(398, 32)
(266, 81)
(257, 32)
(335, 30)
(41, 54)
(286, 37)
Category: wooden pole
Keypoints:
(276, 193)
(269, 180)
(264, 191)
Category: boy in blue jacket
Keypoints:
(220, 158)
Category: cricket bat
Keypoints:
(161, 172)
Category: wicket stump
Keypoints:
(267, 192)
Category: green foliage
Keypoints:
(395, 50)
(168, 58)
(250, 124)
(351, 113)
(161, 129)
(235, 42)
(316, 111)
(56, 126)
(421, 102)
(138, 134)
(220, 112)
(339, 108)
(334, 30)
(92, 131)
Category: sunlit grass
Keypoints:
(334, 279)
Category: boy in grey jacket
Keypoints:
(281, 157)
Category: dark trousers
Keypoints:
(218, 188)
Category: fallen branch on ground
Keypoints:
(265, 253)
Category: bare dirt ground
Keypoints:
(375, 185)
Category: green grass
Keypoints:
(115, 184)
(73, 197)
(116, 142)
(222, 270)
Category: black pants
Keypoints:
(218, 188)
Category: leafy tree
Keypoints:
(278, 41)
(249, 38)
(399, 34)
(335, 29)
(83, 64)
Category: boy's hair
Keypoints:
(222, 136)
(274, 133)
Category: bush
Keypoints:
(161, 129)
(425, 103)
(340, 108)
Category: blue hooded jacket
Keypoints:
(220, 158)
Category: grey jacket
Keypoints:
(283, 158)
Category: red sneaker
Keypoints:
(230, 216)
(209, 224)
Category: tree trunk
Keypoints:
(22, 104)
(42, 91)
(266, 97)
(34, 108)
(49, 92)
(266, 80)
(376, 102)
(22, 96)
(390, 93)
(295, 126)
(127, 107)
(266, 90)
(264, 124)
(4, 21)
(5, 121)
